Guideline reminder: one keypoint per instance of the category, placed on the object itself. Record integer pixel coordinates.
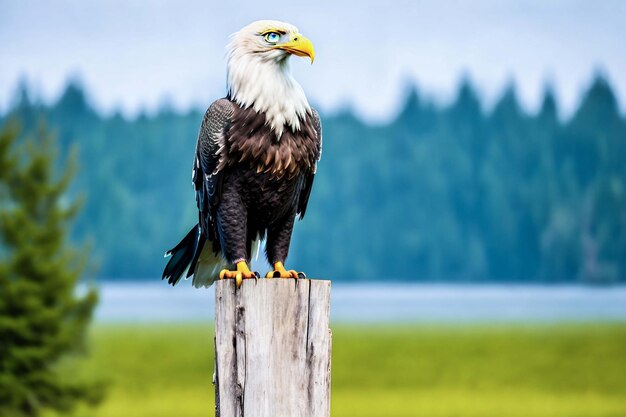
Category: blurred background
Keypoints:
(470, 204)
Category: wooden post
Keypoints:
(272, 348)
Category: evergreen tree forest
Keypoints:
(451, 192)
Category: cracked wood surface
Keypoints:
(272, 348)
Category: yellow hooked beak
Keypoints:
(299, 45)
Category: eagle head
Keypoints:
(259, 76)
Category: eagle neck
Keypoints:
(267, 86)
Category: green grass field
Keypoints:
(487, 371)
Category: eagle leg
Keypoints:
(280, 272)
(242, 272)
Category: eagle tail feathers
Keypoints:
(192, 257)
(181, 257)
(207, 268)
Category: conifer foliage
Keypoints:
(42, 321)
(462, 191)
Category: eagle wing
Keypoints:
(209, 160)
(305, 192)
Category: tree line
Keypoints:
(441, 192)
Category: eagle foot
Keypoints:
(280, 272)
(242, 272)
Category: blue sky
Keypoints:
(132, 54)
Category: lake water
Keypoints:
(156, 302)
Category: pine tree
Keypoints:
(42, 320)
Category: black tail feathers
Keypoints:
(184, 256)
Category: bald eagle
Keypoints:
(255, 160)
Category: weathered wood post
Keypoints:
(272, 348)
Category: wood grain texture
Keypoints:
(272, 348)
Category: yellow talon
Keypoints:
(280, 272)
(242, 272)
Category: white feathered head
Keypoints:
(258, 72)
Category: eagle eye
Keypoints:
(272, 37)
